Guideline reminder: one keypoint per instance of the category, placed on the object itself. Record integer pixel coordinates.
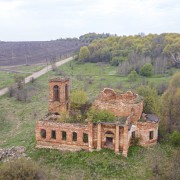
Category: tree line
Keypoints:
(132, 52)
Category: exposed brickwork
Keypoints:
(120, 104)
(56, 106)
(144, 129)
(95, 136)
(69, 128)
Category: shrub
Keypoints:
(78, 98)
(135, 141)
(175, 139)
(151, 101)
(19, 80)
(96, 115)
(161, 88)
(146, 70)
(11, 91)
(132, 76)
(32, 80)
(21, 169)
(84, 53)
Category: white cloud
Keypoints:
(47, 19)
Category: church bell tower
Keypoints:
(59, 95)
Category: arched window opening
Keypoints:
(43, 133)
(66, 92)
(109, 132)
(53, 134)
(85, 138)
(74, 138)
(56, 93)
(64, 135)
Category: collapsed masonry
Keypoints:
(127, 107)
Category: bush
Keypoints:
(78, 98)
(84, 53)
(175, 139)
(151, 101)
(161, 88)
(135, 141)
(19, 80)
(11, 91)
(117, 59)
(96, 115)
(21, 169)
(146, 70)
(132, 76)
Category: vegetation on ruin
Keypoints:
(18, 118)
(95, 115)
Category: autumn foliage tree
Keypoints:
(171, 105)
(151, 103)
(133, 52)
(84, 53)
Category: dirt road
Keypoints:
(39, 73)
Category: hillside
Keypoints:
(17, 128)
(34, 52)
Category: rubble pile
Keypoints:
(7, 154)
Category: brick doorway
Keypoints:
(109, 142)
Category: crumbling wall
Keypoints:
(144, 129)
(120, 104)
(105, 128)
(69, 128)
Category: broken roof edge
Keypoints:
(59, 79)
(151, 118)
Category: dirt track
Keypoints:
(38, 74)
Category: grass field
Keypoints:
(7, 78)
(17, 127)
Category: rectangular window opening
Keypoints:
(85, 138)
(63, 135)
(133, 134)
(53, 134)
(151, 135)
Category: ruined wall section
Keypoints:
(124, 105)
(108, 130)
(144, 130)
(58, 142)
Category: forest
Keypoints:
(132, 52)
(143, 55)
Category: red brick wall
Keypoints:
(69, 128)
(58, 106)
(104, 129)
(120, 104)
(143, 132)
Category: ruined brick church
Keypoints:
(131, 122)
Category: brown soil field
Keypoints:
(34, 52)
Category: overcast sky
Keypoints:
(22, 20)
